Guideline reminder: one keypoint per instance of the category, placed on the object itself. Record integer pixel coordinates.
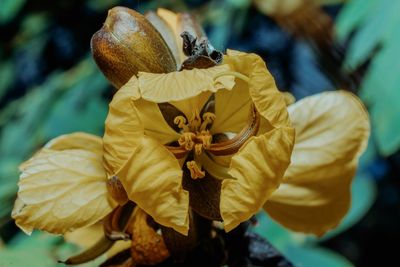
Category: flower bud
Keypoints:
(126, 44)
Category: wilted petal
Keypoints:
(152, 178)
(332, 130)
(60, 191)
(257, 170)
(259, 165)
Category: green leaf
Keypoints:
(378, 37)
(273, 232)
(6, 77)
(9, 9)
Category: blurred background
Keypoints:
(49, 85)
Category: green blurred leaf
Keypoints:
(6, 77)
(39, 250)
(273, 232)
(9, 9)
(377, 38)
(313, 256)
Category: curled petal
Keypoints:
(152, 178)
(258, 167)
(122, 127)
(60, 191)
(77, 140)
(332, 130)
(176, 86)
(257, 170)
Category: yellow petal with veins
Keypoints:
(60, 191)
(152, 178)
(78, 140)
(122, 127)
(188, 106)
(259, 165)
(154, 123)
(232, 108)
(176, 86)
(257, 170)
(332, 130)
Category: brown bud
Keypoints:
(126, 44)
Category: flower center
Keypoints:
(195, 137)
(195, 134)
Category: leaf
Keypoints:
(377, 37)
(6, 77)
(9, 8)
(39, 250)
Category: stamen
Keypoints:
(198, 149)
(208, 118)
(233, 73)
(195, 121)
(187, 140)
(206, 138)
(181, 122)
(195, 170)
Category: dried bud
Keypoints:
(126, 44)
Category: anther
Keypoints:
(208, 118)
(181, 122)
(195, 170)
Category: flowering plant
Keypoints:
(192, 136)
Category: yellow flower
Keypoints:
(138, 140)
(218, 140)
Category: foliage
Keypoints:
(376, 39)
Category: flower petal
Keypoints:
(176, 86)
(232, 108)
(77, 140)
(332, 130)
(257, 170)
(154, 123)
(152, 178)
(122, 127)
(188, 106)
(259, 165)
(62, 190)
